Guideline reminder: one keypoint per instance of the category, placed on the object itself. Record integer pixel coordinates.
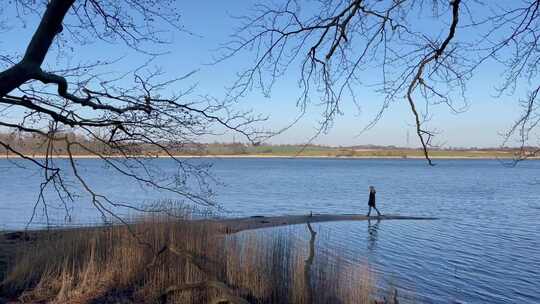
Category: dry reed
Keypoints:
(160, 260)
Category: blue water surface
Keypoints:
(483, 249)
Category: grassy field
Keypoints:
(265, 150)
(159, 260)
(323, 151)
(31, 146)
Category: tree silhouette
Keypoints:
(421, 52)
(117, 117)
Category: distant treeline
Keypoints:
(30, 144)
(37, 145)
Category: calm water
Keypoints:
(484, 248)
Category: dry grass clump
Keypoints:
(160, 260)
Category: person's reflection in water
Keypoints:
(372, 235)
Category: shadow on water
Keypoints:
(373, 230)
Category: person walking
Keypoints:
(371, 202)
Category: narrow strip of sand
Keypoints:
(235, 225)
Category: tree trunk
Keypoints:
(49, 27)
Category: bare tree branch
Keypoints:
(334, 43)
(124, 119)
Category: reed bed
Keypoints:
(165, 260)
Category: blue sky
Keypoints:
(211, 23)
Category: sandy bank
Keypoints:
(235, 225)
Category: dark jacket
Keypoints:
(371, 201)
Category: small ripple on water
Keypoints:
(484, 249)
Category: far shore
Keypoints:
(476, 155)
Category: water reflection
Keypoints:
(372, 235)
(307, 265)
(495, 248)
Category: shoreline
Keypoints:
(11, 240)
(141, 263)
(230, 225)
(262, 156)
(235, 225)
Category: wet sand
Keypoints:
(235, 225)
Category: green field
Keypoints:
(324, 151)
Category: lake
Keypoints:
(483, 249)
